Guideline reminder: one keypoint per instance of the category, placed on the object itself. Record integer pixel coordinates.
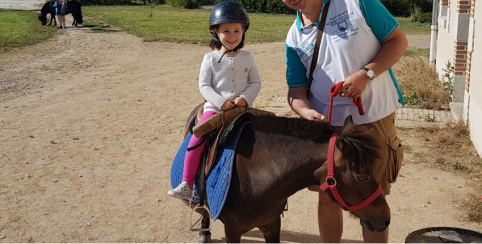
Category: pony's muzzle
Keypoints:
(376, 216)
(377, 226)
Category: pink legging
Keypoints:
(192, 159)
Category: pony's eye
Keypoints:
(364, 178)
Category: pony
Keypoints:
(277, 156)
(73, 8)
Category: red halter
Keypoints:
(334, 91)
(330, 182)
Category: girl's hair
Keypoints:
(215, 44)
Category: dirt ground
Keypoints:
(90, 123)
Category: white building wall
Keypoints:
(475, 87)
(445, 40)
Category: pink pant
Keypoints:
(192, 159)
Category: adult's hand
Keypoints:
(392, 49)
(300, 104)
(354, 85)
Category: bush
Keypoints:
(205, 2)
(397, 7)
(422, 18)
(189, 4)
(405, 8)
(264, 6)
(105, 2)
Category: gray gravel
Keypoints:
(22, 4)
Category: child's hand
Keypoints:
(239, 102)
(227, 105)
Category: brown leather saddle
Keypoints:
(219, 129)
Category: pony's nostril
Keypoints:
(387, 223)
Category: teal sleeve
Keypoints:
(395, 83)
(295, 70)
(380, 20)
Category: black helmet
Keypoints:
(228, 12)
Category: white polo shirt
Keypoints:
(235, 76)
(353, 33)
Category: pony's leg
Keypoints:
(272, 231)
(233, 235)
(205, 236)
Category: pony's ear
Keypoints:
(342, 146)
(348, 121)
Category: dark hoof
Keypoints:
(205, 239)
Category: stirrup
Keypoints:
(202, 215)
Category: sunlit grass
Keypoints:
(164, 23)
(21, 28)
(413, 28)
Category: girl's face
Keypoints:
(230, 35)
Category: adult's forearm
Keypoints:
(300, 104)
(297, 99)
(392, 49)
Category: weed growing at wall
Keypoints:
(448, 77)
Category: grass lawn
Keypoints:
(156, 23)
(21, 28)
(163, 23)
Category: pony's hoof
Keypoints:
(205, 239)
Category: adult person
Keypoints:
(61, 9)
(361, 41)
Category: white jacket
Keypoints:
(234, 76)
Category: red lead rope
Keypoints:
(334, 91)
(330, 182)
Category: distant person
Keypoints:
(62, 7)
(225, 83)
(361, 40)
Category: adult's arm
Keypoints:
(300, 104)
(392, 49)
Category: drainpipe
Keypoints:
(433, 32)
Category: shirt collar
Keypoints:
(298, 17)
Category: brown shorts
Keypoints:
(386, 169)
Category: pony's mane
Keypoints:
(355, 141)
(358, 140)
(318, 132)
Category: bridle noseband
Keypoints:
(330, 182)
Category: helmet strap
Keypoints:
(216, 39)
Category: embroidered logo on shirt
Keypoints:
(344, 24)
(305, 51)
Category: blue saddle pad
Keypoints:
(177, 168)
(218, 182)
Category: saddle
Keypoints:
(220, 129)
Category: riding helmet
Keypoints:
(228, 12)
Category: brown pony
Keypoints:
(276, 157)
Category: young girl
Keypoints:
(228, 78)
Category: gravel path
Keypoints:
(21, 4)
